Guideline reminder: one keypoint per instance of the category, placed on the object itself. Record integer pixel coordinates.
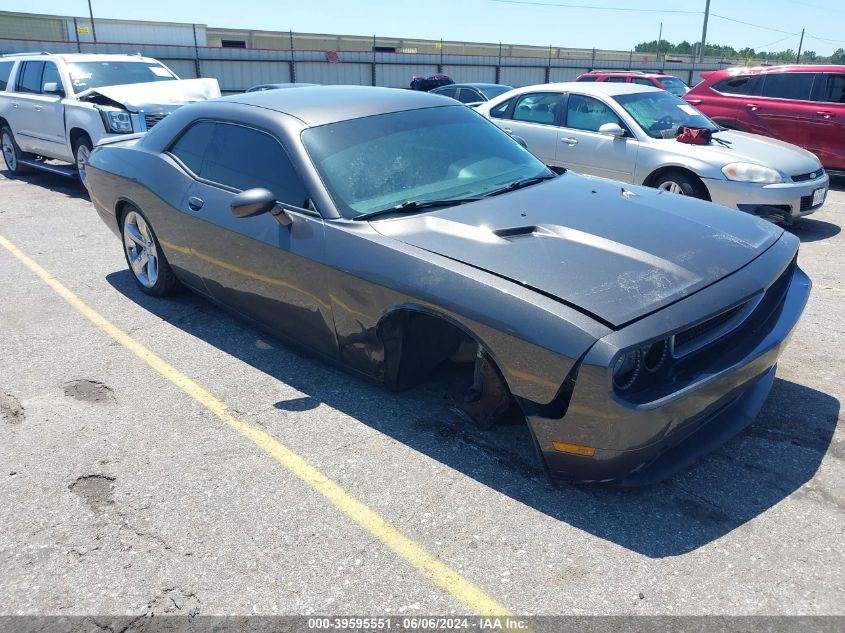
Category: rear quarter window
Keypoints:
(5, 71)
(735, 85)
(588, 78)
(501, 111)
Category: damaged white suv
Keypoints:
(58, 107)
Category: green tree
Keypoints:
(838, 56)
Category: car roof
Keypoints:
(472, 85)
(785, 68)
(83, 57)
(611, 89)
(627, 73)
(319, 105)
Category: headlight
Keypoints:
(749, 172)
(117, 121)
(627, 369)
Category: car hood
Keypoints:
(617, 252)
(789, 160)
(143, 96)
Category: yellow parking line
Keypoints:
(425, 563)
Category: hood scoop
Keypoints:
(517, 231)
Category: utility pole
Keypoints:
(800, 44)
(659, 36)
(93, 29)
(704, 32)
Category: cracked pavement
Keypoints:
(121, 496)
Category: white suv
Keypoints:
(58, 107)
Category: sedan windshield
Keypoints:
(660, 114)
(447, 153)
(674, 85)
(86, 75)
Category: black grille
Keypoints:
(154, 117)
(811, 176)
(807, 202)
(705, 328)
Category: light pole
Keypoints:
(93, 29)
(704, 32)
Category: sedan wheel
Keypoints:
(144, 256)
(672, 187)
(681, 183)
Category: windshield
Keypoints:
(86, 75)
(380, 162)
(660, 114)
(674, 85)
(494, 91)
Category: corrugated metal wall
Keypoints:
(465, 74)
(565, 74)
(240, 75)
(327, 73)
(522, 76)
(399, 75)
(186, 69)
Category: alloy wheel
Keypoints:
(672, 187)
(140, 249)
(82, 155)
(9, 152)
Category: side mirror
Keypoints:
(252, 202)
(520, 140)
(53, 88)
(612, 129)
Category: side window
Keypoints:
(243, 158)
(5, 71)
(735, 85)
(617, 80)
(538, 107)
(586, 113)
(190, 148)
(50, 75)
(795, 86)
(468, 95)
(500, 111)
(447, 92)
(29, 77)
(642, 81)
(588, 78)
(834, 89)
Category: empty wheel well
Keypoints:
(4, 123)
(419, 345)
(654, 176)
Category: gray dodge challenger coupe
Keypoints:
(393, 232)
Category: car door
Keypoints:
(49, 133)
(270, 273)
(533, 118)
(725, 101)
(781, 108)
(830, 119)
(582, 148)
(25, 117)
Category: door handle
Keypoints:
(694, 101)
(195, 203)
(38, 108)
(569, 140)
(825, 114)
(751, 106)
(507, 129)
(14, 104)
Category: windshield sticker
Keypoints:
(160, 71)
(688, 109)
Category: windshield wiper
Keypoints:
(410, 206)
(519, 184)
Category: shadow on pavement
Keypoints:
(774, 457)
(64, 185)
(812, 230)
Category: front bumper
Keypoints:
(637, 444)
(782, 202)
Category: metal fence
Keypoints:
(237, 69)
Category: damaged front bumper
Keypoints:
(638, 444)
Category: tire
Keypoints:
(681, 183)
(81, 151)
(144, 257)
(12, 154)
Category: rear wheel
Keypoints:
(12, 154)
(81, 153)
(144, 256)
(680, 183)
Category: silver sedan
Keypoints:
(628, 132)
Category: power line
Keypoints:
(824, 39)
(756, 26)
(592, 6)
(783, 39)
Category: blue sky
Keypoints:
(511, 21)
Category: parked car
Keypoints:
(261, 87)
(427, 83)
(628, 132)
(804, 105)
(472, 94)
(669, 83)
(59, 106)
(386, 229)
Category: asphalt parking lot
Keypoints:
(121, 493)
